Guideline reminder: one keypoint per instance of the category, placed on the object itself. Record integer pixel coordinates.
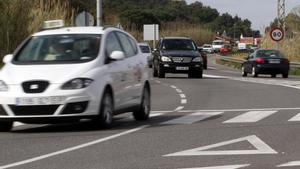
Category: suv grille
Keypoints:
(33, 110)
(35, 86)
(182, 59)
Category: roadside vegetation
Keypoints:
(20, 18)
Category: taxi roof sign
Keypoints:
(52, 24)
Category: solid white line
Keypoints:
(72, 148)
(250, 117)
(295, 118)
(179, 108)
(183, 101)
(156, 114)
(239, 110)
(222, 167)
(192, 118)
(290, 164)
(182, 96)
(212, 68)
(213, 76)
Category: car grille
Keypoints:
(33, 110)
(182, 59)
(35, 86)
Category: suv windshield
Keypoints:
(269, 54)
(178, 44)
(59, 48)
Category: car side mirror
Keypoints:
(117, 55)
(7, 58)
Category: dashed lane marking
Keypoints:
(295, 118)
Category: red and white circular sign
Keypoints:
(277, 34)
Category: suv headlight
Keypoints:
(197, 59)
(165, 59)
(3, 86)
(78, 83)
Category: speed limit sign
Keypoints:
(277, 34)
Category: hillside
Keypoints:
(176, 18)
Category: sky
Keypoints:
(260, 12)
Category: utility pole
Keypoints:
(99, 12)
(281, 16)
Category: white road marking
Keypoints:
(156, 114)
(295, 118)
(174, 87)
(290, 164)
(157, 81)
(239, 110)
(72, 148)
(163, 111)
(261, 148)
(192, 118)
(183, 101)
(212, 68)
(223, 167)
(250, 117)
(16, 124)
(214, 76)
(179, 91)
(178, 108)
(182, 96)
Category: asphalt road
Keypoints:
(223, 121)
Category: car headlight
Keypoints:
(165, 59)
(78, 83)
(197, 59)
(3, 86)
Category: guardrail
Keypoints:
(230, 59)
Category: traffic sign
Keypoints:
(277, 34)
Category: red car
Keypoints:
(225, 49)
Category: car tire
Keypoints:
(143, 112)
(205, 65)
(6, 126)
(161, 73)
(105, 116)
(273, 75)
(254, 72)
(285, 75)
(244, 73)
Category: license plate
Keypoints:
(182, 68)
(26, 101)
(274, 61)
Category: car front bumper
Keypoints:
(170, 67)
(39, 108)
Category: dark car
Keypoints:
(266, 61)
(177, 55)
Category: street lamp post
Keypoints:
(99, 12)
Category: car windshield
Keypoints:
(178, 44)
(269, 54)
(145, 49)
(206, 46)
(59, 48)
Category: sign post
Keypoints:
(151, 32)
(277, 35)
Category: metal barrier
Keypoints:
(230, 59)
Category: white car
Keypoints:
(207, 48)
(146, 50)
(74, 73)
(217, 45)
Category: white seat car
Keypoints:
(146, 50)
(74, 73)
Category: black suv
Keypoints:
(177, 55)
